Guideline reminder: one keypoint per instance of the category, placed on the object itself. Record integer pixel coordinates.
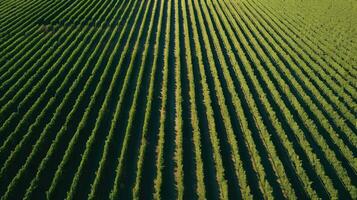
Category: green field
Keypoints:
(178, 99)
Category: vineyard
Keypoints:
(178, 99)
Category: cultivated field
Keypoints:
(178, 99)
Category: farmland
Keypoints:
(178, 99)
